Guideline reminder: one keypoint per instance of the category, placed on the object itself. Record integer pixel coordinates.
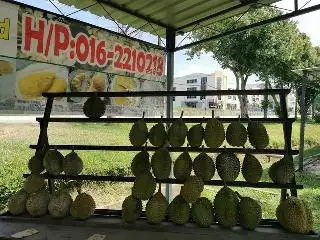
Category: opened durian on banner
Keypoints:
(139, 132)
(177, 132)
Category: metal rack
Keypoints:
(284, 119)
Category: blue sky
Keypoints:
(308, 23)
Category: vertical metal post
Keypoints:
(303, 118)
(170, 46)
(43, 136)
(266, 100)
(296, 5)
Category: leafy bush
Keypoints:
(316, 117)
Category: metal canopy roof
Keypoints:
(155, 16)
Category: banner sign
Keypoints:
(42, 52)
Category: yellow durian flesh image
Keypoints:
(97, 83)
(124, 84)
(36, 79)
(5, 67)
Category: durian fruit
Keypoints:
(53, 161)
(228, 166)
(191, 189)
(295, 215)
(161, 163)
(72, 164)
(140, 163)
(195, 135)
(60, 203)
(226, 207)
(202, 212)
(94, 107)
(34, 183)
(144, 186)
(251, 169)
(158, 135)
(83, 206)
(35, 163)
(258, 135)
(179, 211)
(156, 208)
(139, 132)
(250, 212)
(203, 166)
(214, 133)
(182, 166)
(37, 203)
(236, 134)
(282, 171)
(177, 132)
(17, 202)
(131, 209)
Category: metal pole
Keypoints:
(170, 46)
(303, 118)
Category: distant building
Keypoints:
(201, 81)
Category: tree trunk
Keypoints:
(243, 98)
(276, 102)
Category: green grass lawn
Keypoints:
(14, 155)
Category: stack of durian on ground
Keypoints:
(35, 199)
(228, 207)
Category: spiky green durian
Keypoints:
(158, 135)
(214, 133)
(83, 206)
(140, 163)
(94, 107)
(34, 183)
(258, 135)
(282, 171)
(156, 208)
(191, 189)
(37, 203)
(228, 166)
(179, 211)
(144, 186)
(17, 202)
(295, 215)
(72, 164)
(251, 169)
(236, 134)
(131, 209)
(161, 163)
(195, 135)
(35, 163)
(182, 166)
(139, 132)
(226, 207)
(177, 132)
(202, 212)
(53, 161)
(60, 203)
(250, 212)
(203, 166)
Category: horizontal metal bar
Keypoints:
(251, 26)
(169, 93)
(170, 149)
(170, 180)
(166, 120)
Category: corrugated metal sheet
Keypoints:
(154, 16)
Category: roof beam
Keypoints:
(244, 4)
(133, 13)
(254, 25)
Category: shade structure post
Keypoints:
(303, 117)
(170, 46)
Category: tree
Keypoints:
(267, 51)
